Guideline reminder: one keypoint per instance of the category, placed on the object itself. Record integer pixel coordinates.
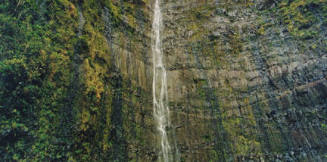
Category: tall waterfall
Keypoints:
(159, 86)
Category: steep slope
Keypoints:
(70, 87)
(246, 80)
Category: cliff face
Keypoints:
(246, 80)
(242, 84)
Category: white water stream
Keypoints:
(159, 86)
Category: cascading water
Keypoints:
(160, 94)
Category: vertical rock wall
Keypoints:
(242, 84)
(246, 80)
(240, 93)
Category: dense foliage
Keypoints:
(56, 79)
(35, 75)
(38, 74)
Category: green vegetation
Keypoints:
(301, 15)
(302, 18)
(55, 100)
(35, 76)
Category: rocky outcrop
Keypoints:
(238, 94)
(241, 86)
(246, 80)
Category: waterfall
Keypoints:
(159, 86)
